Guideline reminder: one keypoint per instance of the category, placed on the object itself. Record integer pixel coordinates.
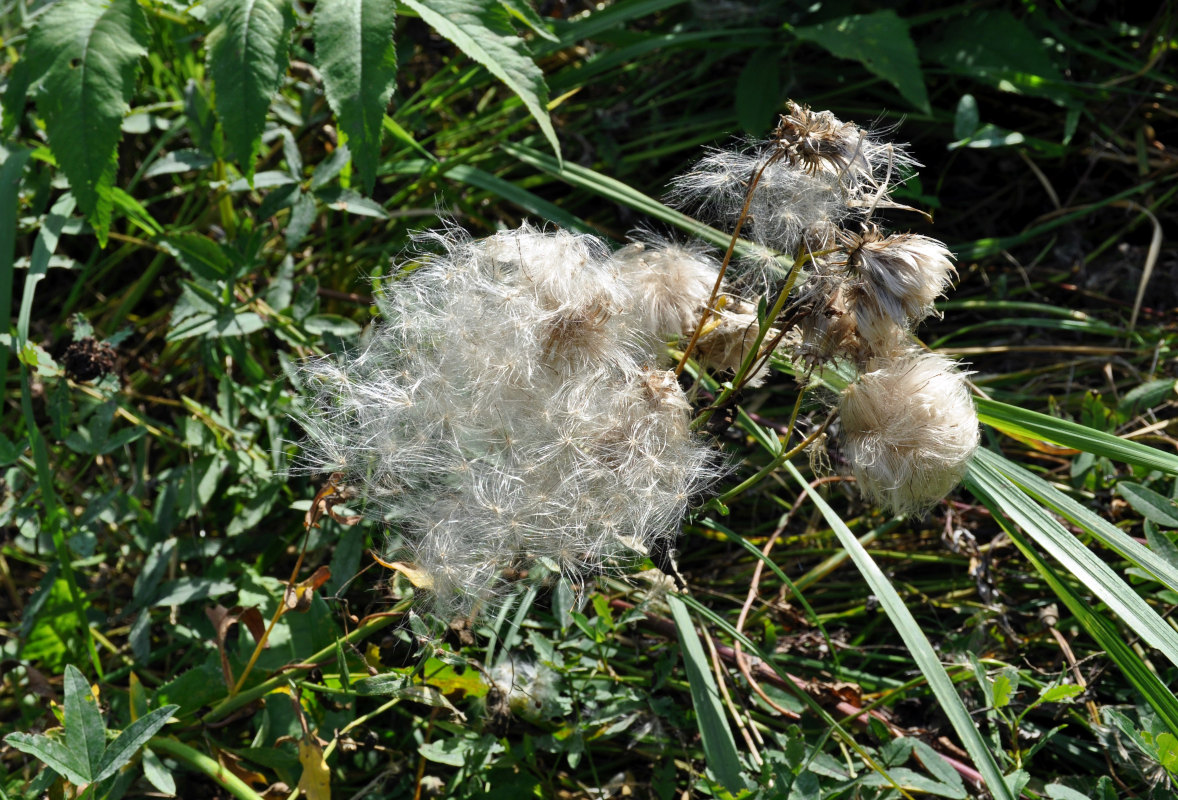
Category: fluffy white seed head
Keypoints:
(812, 176)
(507, 413)
(670, 284)
(909, 430)
(901, 274)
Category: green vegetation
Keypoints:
(194, 199)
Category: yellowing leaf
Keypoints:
(315, 782)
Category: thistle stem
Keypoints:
(708, 308)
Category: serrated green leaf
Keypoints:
(85, 733)
(1149, 504)
(86, 55)
(482, 30)
(53, 753)
(719, 746)
(133, 737)
(355, 52)
(247, 54)
(12, 105)
(879, 41)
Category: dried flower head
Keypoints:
(909, 430)
(794, 192)
(901, 274)
(508, 412)
(670, 284)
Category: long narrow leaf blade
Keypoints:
(719, 746)
(1077, 559)
(1159, 697)
(1105, 532)
(918, 645)
(1063, 432)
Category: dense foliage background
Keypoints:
(194, 198)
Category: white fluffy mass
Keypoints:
(511, 409)
(909, 430)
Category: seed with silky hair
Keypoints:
(909, 430)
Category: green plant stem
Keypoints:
(766, 470)
(53, 515)
(10, 180)
(244, 698)
(198, 761)
(754, 351)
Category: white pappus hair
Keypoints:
(509, 410)
(909, 429)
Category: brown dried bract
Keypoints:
(88, 359)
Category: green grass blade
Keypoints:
(1055, 540)
(719, 746)
(1105, 532)
(532, 203)
(1159, 697)
(1021, 422)
(615, 190)
(918, 645)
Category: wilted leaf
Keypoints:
(225, 618)
(315, 781)
(299, 596)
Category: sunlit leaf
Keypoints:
(355, 52)
(86, 55)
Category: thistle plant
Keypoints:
(852, 297)
(514, 409)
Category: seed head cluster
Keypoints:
(511, 410)
(810, 191)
